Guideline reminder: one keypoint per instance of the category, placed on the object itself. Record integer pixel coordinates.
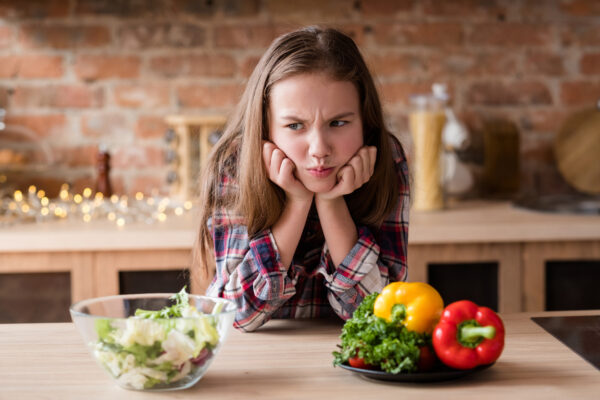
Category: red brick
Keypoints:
(209, 96)
(42, 125)
(329, 9)
(244, 37)
(580, 93)
(244, 8)
(60, 96)
(508, 94)
(398, 64)
(580, 34)
(4, 95)
(31, 66)
(132, 157)
(419, 34)
(211, 65)
(465, 9)
(64, 36)
(475, 119)
(355, 31)
(590, 64)
(142, 95)
(94, 67)
(535, 10)
(34, 9)
(580, 8)
(9, 66)
(126, 8)
(544, 63)
(474, 63)
(7, 36)
(545, 120)
(195, 7)
(400, 92)
(77, 156)
(107, 126)
(150, 127)
(442, 63)
(511, 34)
(386, 7)
(153, 35)
(248, 65)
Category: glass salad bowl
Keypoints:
(157, 341)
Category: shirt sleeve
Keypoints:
(373, 262)
(249, 272)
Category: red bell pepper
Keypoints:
(468, 335)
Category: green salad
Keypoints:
(380, 344)
(157, 347)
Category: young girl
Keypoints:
(305, 196)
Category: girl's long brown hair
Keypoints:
(258, 201)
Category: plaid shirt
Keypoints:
(249, 270)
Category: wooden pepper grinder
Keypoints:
(102, 172)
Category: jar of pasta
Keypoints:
(426, 121)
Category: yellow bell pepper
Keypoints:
(417, 304)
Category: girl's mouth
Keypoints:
(320, 172)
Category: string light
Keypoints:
(35, 206)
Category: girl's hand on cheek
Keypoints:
(354, 174)
(281, 171)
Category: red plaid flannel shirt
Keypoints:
(249, 270)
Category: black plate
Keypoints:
(438, 375)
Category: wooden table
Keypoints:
(292, 360)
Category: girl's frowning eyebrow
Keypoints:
(338, 116)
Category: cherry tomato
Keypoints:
(358, 362)
(427, 359)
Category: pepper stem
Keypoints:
(398, 313)
(470, 333)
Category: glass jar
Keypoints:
(426, 121)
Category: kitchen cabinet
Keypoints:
(518, 242)
(95, 253)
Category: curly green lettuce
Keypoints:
(385, 345)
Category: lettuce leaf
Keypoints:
(386, 345)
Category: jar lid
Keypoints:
(426, 101)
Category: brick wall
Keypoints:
(77, 73)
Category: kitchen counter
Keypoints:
(519, 240)
(499, 222)
(468, 222)
(292, 360)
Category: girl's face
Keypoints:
(316, 122)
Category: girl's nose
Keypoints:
(319, 146)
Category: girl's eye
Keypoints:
(295, 126)
(338, 123)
